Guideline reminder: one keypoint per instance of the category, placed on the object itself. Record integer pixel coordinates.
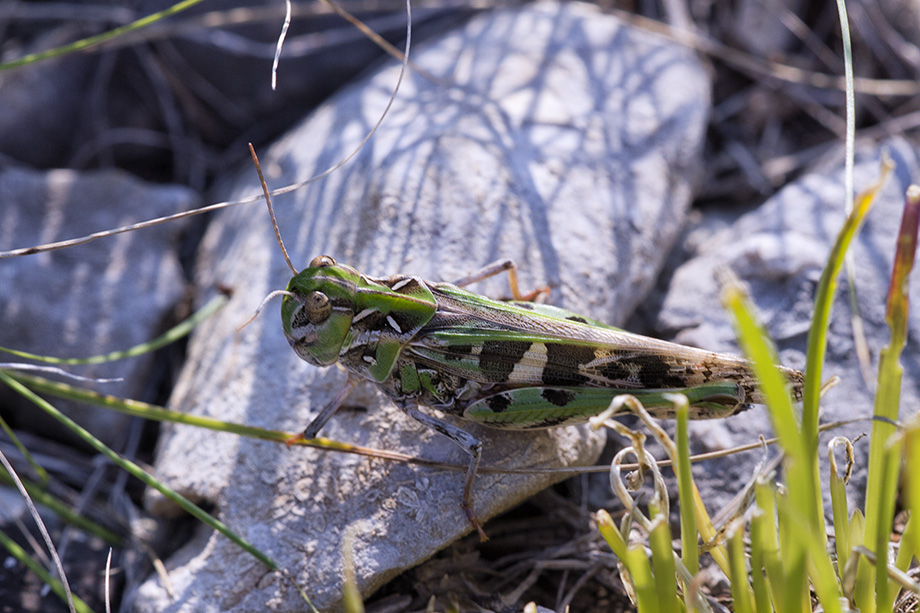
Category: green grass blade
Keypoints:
(881, 473)
(847, 569)
(663, 568)
(824, 299)
(135, 470)
(883, 507)
(690, 553)
(800, 464)
(170, 336)
(63, 511)
(793, 556)
(910, 542)
(93, 41)
(742, 595)
(820, 570)
(158, 413)
(759, 543)
(351, 595)
(708, 532)
(640, 571)
(864, 584)
(907, 549)
(42, 528)
(634, 560)
(610, 533)
(23, 557)
(767, 533)
(140, 409)
(39, 470)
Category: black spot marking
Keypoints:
(580, 320)
(551, 422)
(562, 362)
(558, 397)
(458, 352)
(498, 403)
(659, 373)
(647, 371)
(614, 371)
(498, 358)
(373, 320)
(300, 319)
(524, 305)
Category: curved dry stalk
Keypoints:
(59, 566)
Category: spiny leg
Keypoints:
(490, 270)
(470, 444)
(328, 411)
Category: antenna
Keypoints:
(271, 211)
(274, 294)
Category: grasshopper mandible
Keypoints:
(510, 365)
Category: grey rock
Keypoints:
(104, 296)
(779, 251)
(558, 137)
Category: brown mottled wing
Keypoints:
(507, 344)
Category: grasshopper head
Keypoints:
(317, 316)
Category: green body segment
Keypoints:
(504, 364)
(339, 314)
(530, 407)
(317, 322)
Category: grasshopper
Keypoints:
(514, 365)
(510, 365)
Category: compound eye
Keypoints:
(317, 307)
(321, 261)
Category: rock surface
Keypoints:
(104, 296)
(555, 136)
(780, 250)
